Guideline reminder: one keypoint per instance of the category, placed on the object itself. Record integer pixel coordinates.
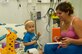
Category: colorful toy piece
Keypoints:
(2, 37)
(10, 43)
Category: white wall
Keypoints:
(10, 12)
(80, 8)
(77, 4)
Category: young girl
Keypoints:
(28, 40)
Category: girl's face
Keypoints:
(30, 27)
(61, 15)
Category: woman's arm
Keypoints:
(77, 24)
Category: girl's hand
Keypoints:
(38, 34)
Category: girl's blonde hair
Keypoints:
(26, 23)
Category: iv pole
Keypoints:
(34, 19)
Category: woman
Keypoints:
(71, 32)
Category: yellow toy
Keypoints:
(10, 43)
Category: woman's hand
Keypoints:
(58, 38)
(66, 41)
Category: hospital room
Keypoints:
(40, 26)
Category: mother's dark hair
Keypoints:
(65, 7)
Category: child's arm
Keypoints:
(36, 37)
(30, 43)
